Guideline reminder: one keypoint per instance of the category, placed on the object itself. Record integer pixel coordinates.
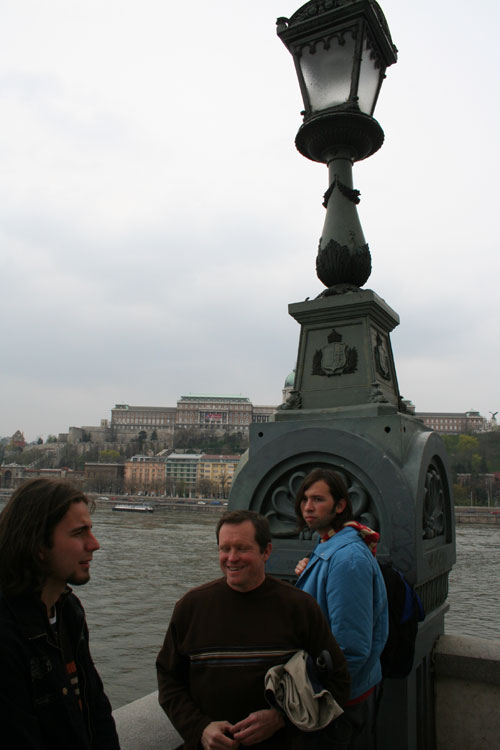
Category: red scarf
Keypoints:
(369, 536)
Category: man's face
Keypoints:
(241, 561)
(73, 544)
(318, 507)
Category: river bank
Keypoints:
(163, 505)
(482, 515)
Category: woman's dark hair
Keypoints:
(338, 490)
(260, 524)
(27, 524)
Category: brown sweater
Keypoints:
(220, 644)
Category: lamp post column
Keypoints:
(345, 411)
(343, 260)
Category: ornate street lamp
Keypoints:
(341, 49)
(344, 411)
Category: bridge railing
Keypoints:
(466, 694)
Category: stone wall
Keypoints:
(467, 693)
(142, 725)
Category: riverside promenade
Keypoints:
(478, 514)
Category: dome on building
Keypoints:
(290, 380)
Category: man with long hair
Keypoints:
(345, 579)
(51, 697)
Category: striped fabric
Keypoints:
(227, 657)
(369, 536)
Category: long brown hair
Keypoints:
(26, 525)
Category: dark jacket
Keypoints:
(38, 710)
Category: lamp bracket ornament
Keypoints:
(377, 396)
(294, 401)
(339, 264)
(350, 193)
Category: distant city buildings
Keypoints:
(217, 471)
(127, 421)
(182, 469)
(12, 475)
(151, 428)
(449, 423)
(145, 473)
(104, 476)
(98, 434)
(215, 413)
(181, 473)
(218, 414)
(171, 474)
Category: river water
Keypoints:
(146, 563)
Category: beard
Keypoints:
(79, 579)
(322, 524)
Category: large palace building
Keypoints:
(127, 421)
(453, 423)
(222, 413)
(200, 412)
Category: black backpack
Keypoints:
(405, 612)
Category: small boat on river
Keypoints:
(134, 507)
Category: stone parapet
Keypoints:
(467, 693)
(143, 725)
(467, 700)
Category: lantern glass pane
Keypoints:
(369, 77)
(327, 73)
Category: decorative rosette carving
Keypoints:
(280, 508)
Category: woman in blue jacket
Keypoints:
(344, 577)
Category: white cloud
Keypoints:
(156, 219)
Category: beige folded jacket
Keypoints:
(293, 692)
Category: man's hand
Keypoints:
(258, 726)
(214, 737)
(301, 565)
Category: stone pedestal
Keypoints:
(398, 479)
(345, 354)
(345, 414)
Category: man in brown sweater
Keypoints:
(225, 635)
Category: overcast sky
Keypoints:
(156, 219)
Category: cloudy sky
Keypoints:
(156, 219)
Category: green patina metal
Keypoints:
(344, 409)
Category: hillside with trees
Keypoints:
(474, 459)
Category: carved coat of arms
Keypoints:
(335, 358)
